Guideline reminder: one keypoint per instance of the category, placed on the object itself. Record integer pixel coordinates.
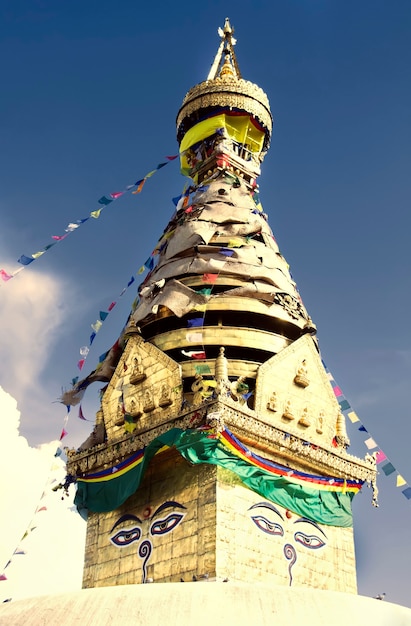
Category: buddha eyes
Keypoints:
(268, 527)
(163, 526)
(273, 528)
(125, 537)
(309, 541)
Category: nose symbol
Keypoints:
(290, 555)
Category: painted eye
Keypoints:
(309, 541)
(268, 527)
(163, 526)
(125, 537)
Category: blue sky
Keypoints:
(90, 92)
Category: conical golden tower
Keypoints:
(220, 450)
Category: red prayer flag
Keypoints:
(80, 413)
(337, 391)
(380, 456)
(63, 434)
(112, 305)
(171, 158)
(116, 194)
(210, 278)
(5, 276)
(81, 363)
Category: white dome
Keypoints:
(202, 604)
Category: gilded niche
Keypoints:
(294, 393)
(144, 390)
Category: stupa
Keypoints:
(219, 453)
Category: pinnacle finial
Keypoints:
(226, 50)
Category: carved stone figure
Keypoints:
(137, 373)
(272, 402)
(304, 419)
(165, 396)
(287, 413)
(301, 378)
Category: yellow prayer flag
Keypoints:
(400, 481)
(199, 307)
(235, 243)
(96, 214)
(353, 417)
(37, 254)
(141, 270)
(150, 174)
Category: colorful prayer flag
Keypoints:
(380, 457)
(25, 260)
(407, 493)
(5, 276)
(111, 306)
(353, 417)
(344, 405)
(400, 481)
(226, 251)
(96, 214)
(103, 315)
(80, 413)
(337, 391)
(63, 434)
(210, 278)
(388, 469)
(36, 255)
(97, 325)
(116, 194)
(370, 443)
(362, 429)
(202, 369)
(195, 322)
(80, 364)
(104, 200)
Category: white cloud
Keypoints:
(54, 545)
(32, 311)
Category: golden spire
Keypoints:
(226, 49)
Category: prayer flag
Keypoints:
(140, 184)
(36, 255)
(84, 350)
(111, 306)
(149, 175)
(329, 375)
(80, 364)
(141, 270)
(59, 237)
(80, 413)
(370, 443)
(104, 200)
(131, 281)
(195, 338)
(96, 214)
(63, 434)
(103, 315)
(202, 369)
(5, 276)
(344, 405)
(337, 391)
(406, 492)
(97, 325)
(353, 417)
(195, 322)
(171, 158)
(149, 263)
(74, 380)
(116, 194)
(25, 260)
(388, 469)
(92, 337)
(160, 165)
(102, 356)
(380, 457)
(362, 429)
(400, 481)
(50, 245)
(226, 251)
(206, 291)
(3, 577)
(71, 227)
(235, 243)
(199, 307)
(210, 278)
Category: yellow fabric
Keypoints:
(238, 127)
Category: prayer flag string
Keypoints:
(104, 201)
(381, 459)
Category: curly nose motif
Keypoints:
(291, 555)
